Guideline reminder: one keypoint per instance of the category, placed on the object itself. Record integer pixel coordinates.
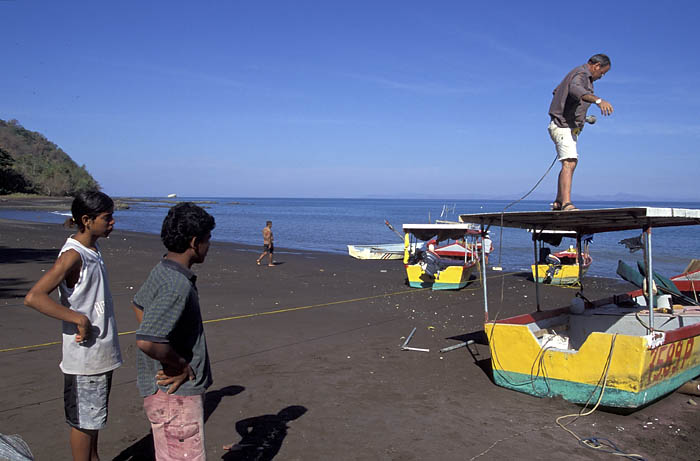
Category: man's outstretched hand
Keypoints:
(605, 108)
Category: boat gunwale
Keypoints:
(670, 336)
(678, 334)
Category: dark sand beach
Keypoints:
(307, 362)
(29, 202)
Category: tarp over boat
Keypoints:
(551, 237)
(440, 232)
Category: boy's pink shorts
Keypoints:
(178, 425)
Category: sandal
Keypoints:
(556, 205)
(568, 206)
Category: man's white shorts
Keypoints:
(565, 140)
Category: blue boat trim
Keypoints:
(449, 286)
(420, 284)
(582, 393)
(438, 286)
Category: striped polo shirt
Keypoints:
(171, 314)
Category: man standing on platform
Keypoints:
(567, 112)
(268, 245)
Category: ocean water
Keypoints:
(329, 225)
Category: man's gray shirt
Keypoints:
(171, 314)
(568, 110)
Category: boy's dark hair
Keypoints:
(184, 221)
(90, 203)
(268, 223)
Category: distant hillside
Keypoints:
(32, 164)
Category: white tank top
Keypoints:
(92, 298)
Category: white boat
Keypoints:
(379, 251)
(172, 195)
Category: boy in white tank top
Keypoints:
(90, 342)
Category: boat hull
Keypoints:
(642, 368)
(451, 278)
(564, 275)
(688, 283)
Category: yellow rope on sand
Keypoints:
(257, 314)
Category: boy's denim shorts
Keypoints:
(85, 399)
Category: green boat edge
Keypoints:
(539, 386)
(438, 286)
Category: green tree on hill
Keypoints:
(31, 163)
(10, 180)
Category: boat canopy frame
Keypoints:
(440, 231)
(583, 222)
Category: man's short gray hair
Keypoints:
(599, 58)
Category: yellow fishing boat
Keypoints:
(439, 267)
(621, 351)
(561, 267)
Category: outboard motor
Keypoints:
(430, 263)
(554, 265)
(553, 260)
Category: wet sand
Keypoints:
(307, 362)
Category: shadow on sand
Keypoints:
(524, 275)
(18, 287)
(14, 287)
(262, 436)
(26, 255)
(479, 337)
(143, 449)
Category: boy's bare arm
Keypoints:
(38, 297)
(175, 370)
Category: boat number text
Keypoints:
(668, 359)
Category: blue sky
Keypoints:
(354, 99)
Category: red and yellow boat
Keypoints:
(620, 351)
(440, 267)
